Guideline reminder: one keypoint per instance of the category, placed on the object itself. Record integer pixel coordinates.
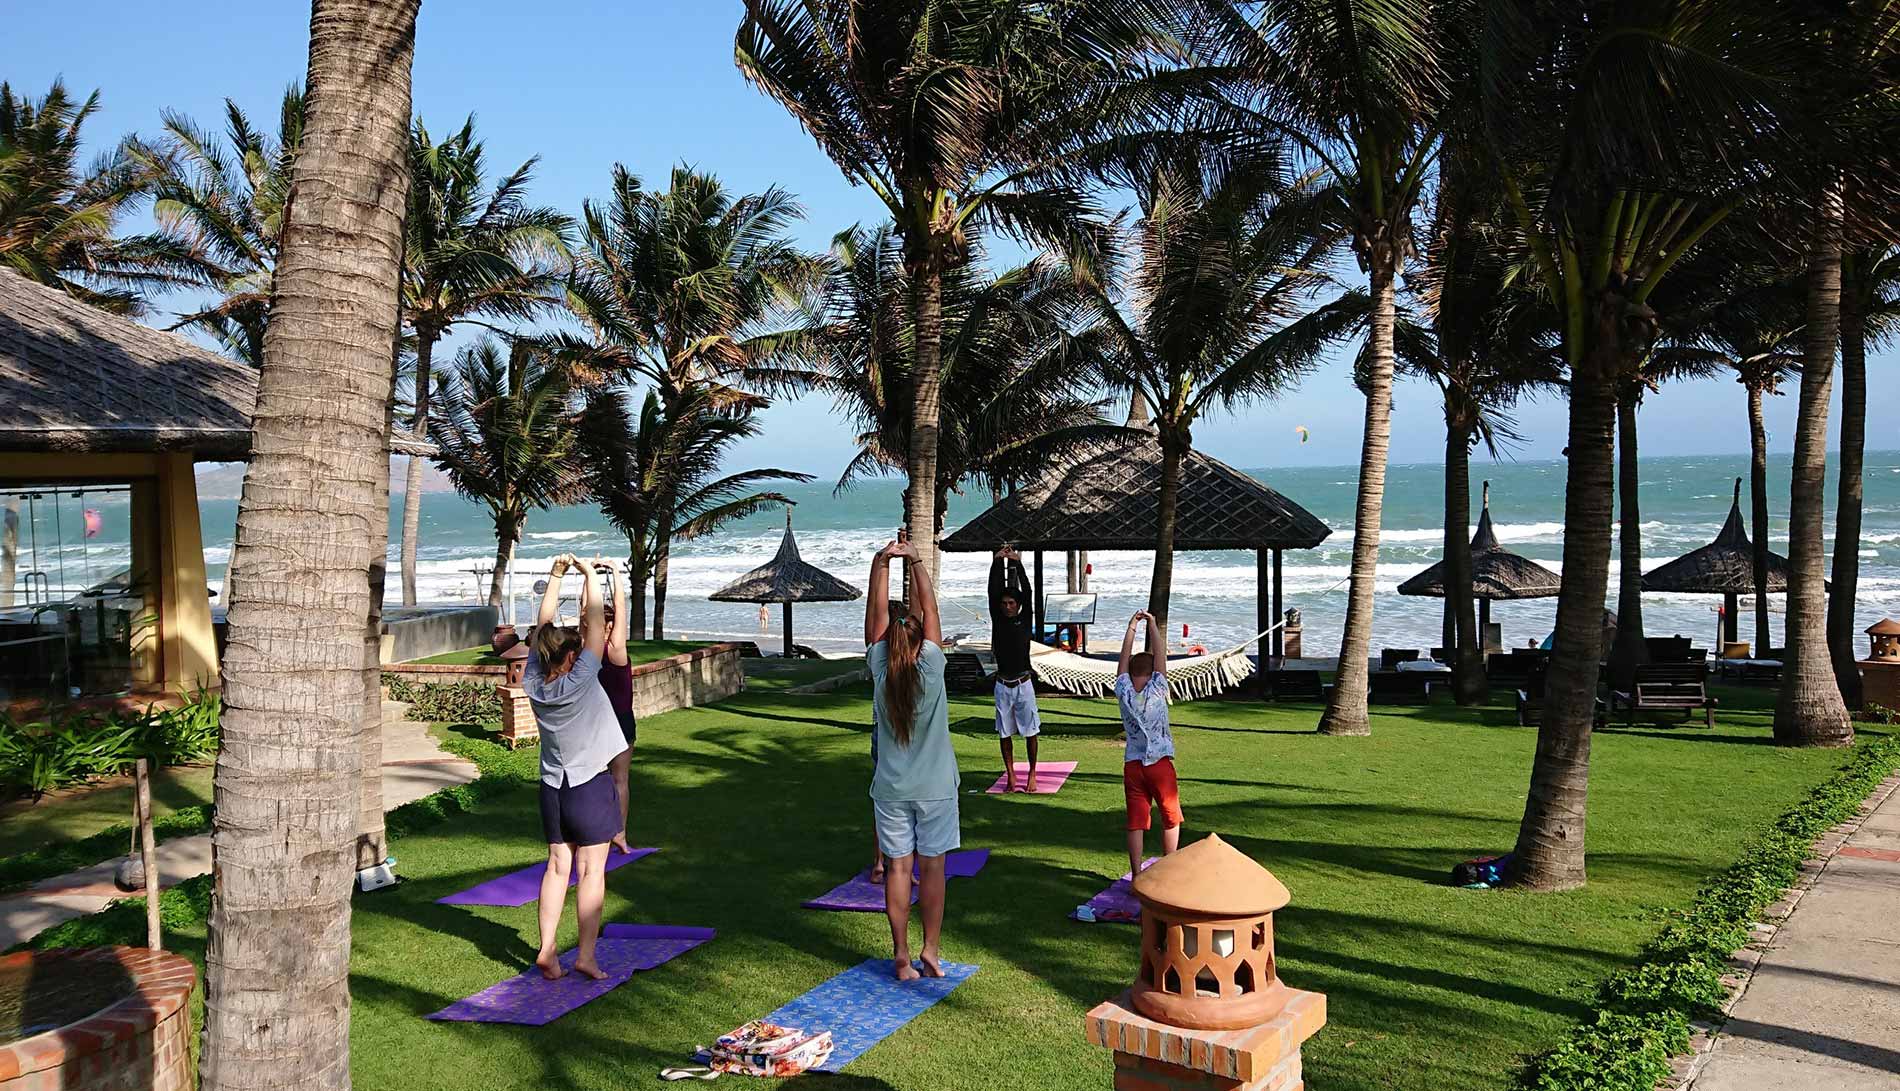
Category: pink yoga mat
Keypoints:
(524, 886)
(1050, 777)
(532, 1000)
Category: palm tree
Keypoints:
(1020, 362)
(1226, 261)
(289, 787)
(692, 289)
(505, 436)
(637, 465)
(1621, 137)
(468, 253)
(57, 219)
(959, 117)
(1356, 85)
(1485, 343)
(1870, 316)
(230, 203)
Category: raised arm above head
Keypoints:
(617, 632)
(1019, 578)
(1157, 644)
(1128, 642)
(551, 598)
(593, 614)
(923, 596)
(877, 606)
(999, 579)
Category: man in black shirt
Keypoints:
(1012, 613)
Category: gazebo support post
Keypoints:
(1040, 612)
(1730, 623)
(788, 630)
(1263, 603)
(1484, 626)
(1279, 607)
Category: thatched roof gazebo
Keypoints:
(1496, 572)
(1108, 498)
(1724, 567)
(786, 579)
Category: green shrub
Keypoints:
(1643, 1013)
(1873, 712)
(73, 747)
(446, 702)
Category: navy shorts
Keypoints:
(581, 814)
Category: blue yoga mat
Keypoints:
(865, 1005)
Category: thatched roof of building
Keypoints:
(76, 379)
(1496, 572)
(1109, 499)
(1724, 566)
(787, 578)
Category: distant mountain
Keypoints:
(225, 480)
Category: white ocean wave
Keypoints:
(561, 535)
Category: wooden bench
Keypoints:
(1294, 684)
(1400, 687)
(1516, 667)
(1530, 705)
(963, 673)
(1678, 687)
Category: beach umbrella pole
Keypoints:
(788, 630)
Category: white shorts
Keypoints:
(1016, 711)
(928, 827)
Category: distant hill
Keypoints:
(225, 480)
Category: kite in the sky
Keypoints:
(1300, 429)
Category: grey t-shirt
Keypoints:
(579, 733)
(926, 768)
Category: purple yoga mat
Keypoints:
(1117, 904)
(524, 886)
(1050, 777)
(860, 895)
(532, 1000)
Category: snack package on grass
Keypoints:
(767, 1049)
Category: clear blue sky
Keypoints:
(585, 84)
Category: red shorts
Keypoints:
(1150, 785)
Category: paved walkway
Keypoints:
(1823, 1007)
(413, 766)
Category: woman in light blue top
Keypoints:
(914, 789)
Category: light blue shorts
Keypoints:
(927, 827)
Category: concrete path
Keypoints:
(1823, 1007)
(413, 766)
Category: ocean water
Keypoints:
(1684, 501)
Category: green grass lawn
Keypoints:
(638, 652)
(81, 812)
(777, 673)
(758, 803)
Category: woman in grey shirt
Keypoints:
(580, 738)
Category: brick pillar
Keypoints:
(1152, 1056)
(518, 726)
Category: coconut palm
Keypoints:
(636, 465)
(692, 289)
(1622, 136)
(505, 435)
(289, 789)
(959, 117)
(1485, 343)
(1226, 260)
(57, 218)
(229, 201)
(1356, 85)
(469, 253)
(1870, 316)
(1020, 364)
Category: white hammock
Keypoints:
(1188, 679)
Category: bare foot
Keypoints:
(589, 969)
(933, 963)
(549, 963)
(620, 844)
(877, 874)
(1011, 786)
(1032, 781)
(905, 971)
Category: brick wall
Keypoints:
(141, 1043)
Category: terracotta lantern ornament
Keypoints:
(1207, 939)
(1885, 637)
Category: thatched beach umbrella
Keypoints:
(786, 579)
(1724, 567)
(1496, 573)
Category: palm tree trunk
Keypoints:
(1346, 710)
(1467, 650)
(1550, 839)
(1161, 583)
(662, 558)
(1810, 711)
(925, 257)
(1758, 516)
(1847, 509)
(371, 844)
(412, 485)
(1629, 651)
(638, 572)
(507, 533)
(287, 794)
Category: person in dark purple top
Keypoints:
(616, 677)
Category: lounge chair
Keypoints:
(1390, 658)
(1298, 685)
(1399, 687)
(1679, 687)
(1517, 666)
(963, 673)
